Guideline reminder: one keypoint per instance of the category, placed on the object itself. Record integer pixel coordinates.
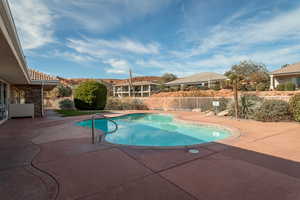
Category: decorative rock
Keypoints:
(196, 110)
(223, 113)
(211, 113)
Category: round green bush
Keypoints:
(66, 104)
(290, 86)
(262, 87)
(273, 111)
(90, 95)
(294, 105)
(280, 87)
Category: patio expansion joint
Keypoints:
(19, 165)
(113, 187)
(120, 185)
(160, 171)
(257, 165)
(58, 186)
(72, 155)
(275, 134)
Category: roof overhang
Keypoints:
(13, 67)
(135, 84)
(192, 83)
(46, 84)
(286, 74)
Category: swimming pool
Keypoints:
(156, 130)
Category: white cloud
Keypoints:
(254, 31)
(105, 15)
(75, 57)
(105, 48)
(270, 57)
(34, 22)
(117, 66)
(180, 68)
(267, 37)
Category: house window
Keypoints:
(3, 101)
(298, 82)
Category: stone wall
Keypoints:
(33, 95)
(51, 103)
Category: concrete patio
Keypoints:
(51, 158)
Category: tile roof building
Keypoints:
(136, 89)
(21, 89)
(290, 73)
(204, 79)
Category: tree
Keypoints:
(249, 72)
(61, 91)
(167, 77)
(285, 65)
(90, 95)
(235, 81)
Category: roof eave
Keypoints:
(194, 83)
(44, 82)
(285, 73)
(11, 35)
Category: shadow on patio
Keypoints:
(76, 169)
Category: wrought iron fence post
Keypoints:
(93, 129)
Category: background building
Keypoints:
(21, 89)
(202, 79)
(136, 89)
(290, 73)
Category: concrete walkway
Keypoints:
(53, 159)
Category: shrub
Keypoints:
(201, 87)
(280, 87)
(191, 88)
(273, 111)
(206, 105)
(296, 113)
(225, 84)
(125, 104)
(90, 95)
(250, 87)
(289, 86)
(216, 87)
(61, 91)
(294, 105)
(242, 87)
(113, 103)
(248, 104)
(262, 87)
(66, 104)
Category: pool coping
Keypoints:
(235, 133)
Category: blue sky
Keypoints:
(104, 38)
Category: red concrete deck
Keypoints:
(53, 159)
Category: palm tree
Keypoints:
(235, 80)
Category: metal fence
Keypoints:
(190, 103)
(180, 103)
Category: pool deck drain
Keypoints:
(193, 151)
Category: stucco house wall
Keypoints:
(290, 73)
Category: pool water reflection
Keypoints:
(156, 130)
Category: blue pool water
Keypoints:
(156, 130)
